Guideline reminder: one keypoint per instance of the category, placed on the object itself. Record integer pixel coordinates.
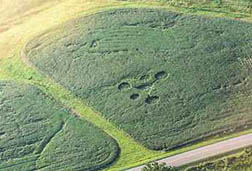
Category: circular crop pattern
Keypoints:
(167, 79)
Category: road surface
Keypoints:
(205, 152)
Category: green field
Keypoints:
(167, 79)
(36, 133)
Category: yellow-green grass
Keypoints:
(12, 67)
(130, 150)
(34, 139)
(132, 153)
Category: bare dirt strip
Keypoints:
(205, 152)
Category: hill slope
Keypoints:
(38, 134)
(167, 79)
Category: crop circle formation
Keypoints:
(167, 79)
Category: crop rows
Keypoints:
(36, 133)
(165, 78)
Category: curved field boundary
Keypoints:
(127, 145)
(157, 115)
(12, 67)
(106, 128)
(35, 127)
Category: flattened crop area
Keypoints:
(38, 134)
(165, 78)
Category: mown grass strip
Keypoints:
(130, 150)
(172, 107)
(36, 131)
(13, 68)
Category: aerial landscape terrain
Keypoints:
(126, 85)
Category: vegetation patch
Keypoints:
(191, 75)
(38, 134)
(241, 161)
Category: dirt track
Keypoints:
(205, 152)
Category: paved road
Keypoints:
(205, 152)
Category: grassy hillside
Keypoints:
(165, 78)
(36, 133)
(37, 16)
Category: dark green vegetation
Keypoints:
(159, 167)
(241, 162)
(38, 134)
(165, 78)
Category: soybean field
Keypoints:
(36, 133)
(168, 79)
